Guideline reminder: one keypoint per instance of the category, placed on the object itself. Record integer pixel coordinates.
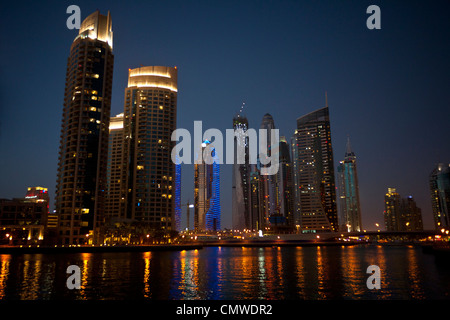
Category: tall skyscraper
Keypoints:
(256, 218)
(115, 193)
(440, 195)
(350, 210)
(401, 214)
(269, 187)
(411, 215)
(284, 219)
(295, 181)
(149, 119)
(315, 173)
(207, 192)
(392, 214)
(81, 179)
(240, 180)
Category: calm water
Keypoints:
(229, 273)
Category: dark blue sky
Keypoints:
(388, 89)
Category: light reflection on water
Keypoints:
(229, 273)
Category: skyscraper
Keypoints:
(401, 214)
(81, 179)
(315, 173)
(207, 192)
(240, 180)
(350, 210)
(440, 195)
(150, 111)
(295, 181)
(269, 187)
(392, 214)
(284, 219)
(411, 215)
(115, 193)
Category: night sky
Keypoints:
(387, 89)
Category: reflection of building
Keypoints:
(114, 206)
(440, 195)
(240, 188)
(207, 192)
(81, 180)
(350, 211)
(24, 220)
(315, 173)
(148, 122)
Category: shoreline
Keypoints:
(187, 246)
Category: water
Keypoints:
(234, 273)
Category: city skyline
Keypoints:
(383, 150)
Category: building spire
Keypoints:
(349, 154)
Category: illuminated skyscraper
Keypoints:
(81, 179)
(269, 199)
(284, 219)
(207, 192)
(350, 210)
(315, 173)
(115, 193)
(440, 195)
(411, 215)
(295, 180)
(240, 188)
(392, 214)
(149, 119)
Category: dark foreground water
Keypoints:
(229, 273)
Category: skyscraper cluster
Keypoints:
(301, 196)
(114, 171)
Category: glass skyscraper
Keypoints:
(207, 192)
(81, 178)
(240, 180)
(316, 193)
(349, 207)
(440, 195)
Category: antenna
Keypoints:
(326, 100)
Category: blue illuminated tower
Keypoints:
(177, 195)
(207, 192)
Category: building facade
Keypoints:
(269, 183)
(150, 111)
(207, 192)
(349, 206)
(81, 178)
(115, 192)
(316, 191)
(440, 195)
(240, 180)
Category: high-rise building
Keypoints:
(315, 173)
(269, 187)
(207, 192)
(295, 181)
(401, 214)
(349, 207)
(240, 180)
(440, 195)
(411, 215)
(81, 179)
(392, 213)
(150, 111)
(256, 218)
(284, 219)
(115, 193)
